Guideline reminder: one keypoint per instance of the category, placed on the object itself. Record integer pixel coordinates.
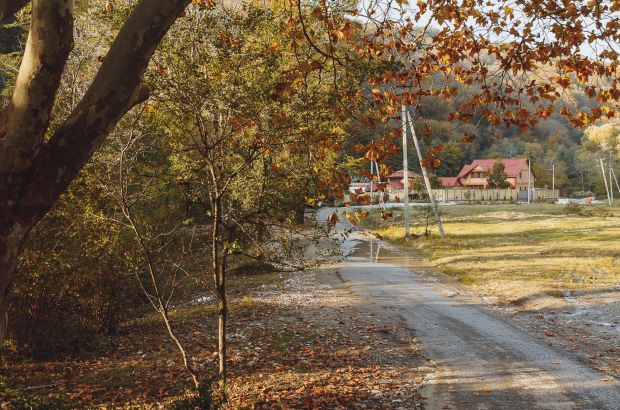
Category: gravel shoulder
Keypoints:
(342, 353)
(582, 323)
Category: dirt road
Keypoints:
(480, 360)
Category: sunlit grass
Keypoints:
(512, 250)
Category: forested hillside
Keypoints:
(552, 140)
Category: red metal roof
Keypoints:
(465, 170)
(512, 166)
(449, 181)
(397, 185)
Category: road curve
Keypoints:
(481, 361)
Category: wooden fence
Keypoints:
(471, 195)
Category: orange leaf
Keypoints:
(333, 219)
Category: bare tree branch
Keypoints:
(115, 90)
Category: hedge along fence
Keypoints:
(471, 195)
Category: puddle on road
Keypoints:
(379, 252)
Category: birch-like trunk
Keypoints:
(221, 333)
(219, 277)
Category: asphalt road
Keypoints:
(480, 361)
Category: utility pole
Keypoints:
(372, 158)
(605, 180)
(403, 119)
(553, 177)
(615, 179)
(529, 181)
(425, 175)
(611, 187)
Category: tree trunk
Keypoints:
(219, 278)
(35, 171)
(10, 243)
(300, 209)
(222, 318)
(300, 212)
(221, 330)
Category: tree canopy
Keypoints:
(498, 177)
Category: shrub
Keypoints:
(75, 281)
(600, 213)
(579, 210)
(573, 209)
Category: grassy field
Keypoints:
(517, 251)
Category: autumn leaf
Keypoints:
(386, 215)
(317, 13)
(304, 67)
(333, 219)
(373, 154)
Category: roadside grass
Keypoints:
(516, 251)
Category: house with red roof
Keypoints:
(449, 182)
(398, 176)
(395, 181)
(475, 175)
